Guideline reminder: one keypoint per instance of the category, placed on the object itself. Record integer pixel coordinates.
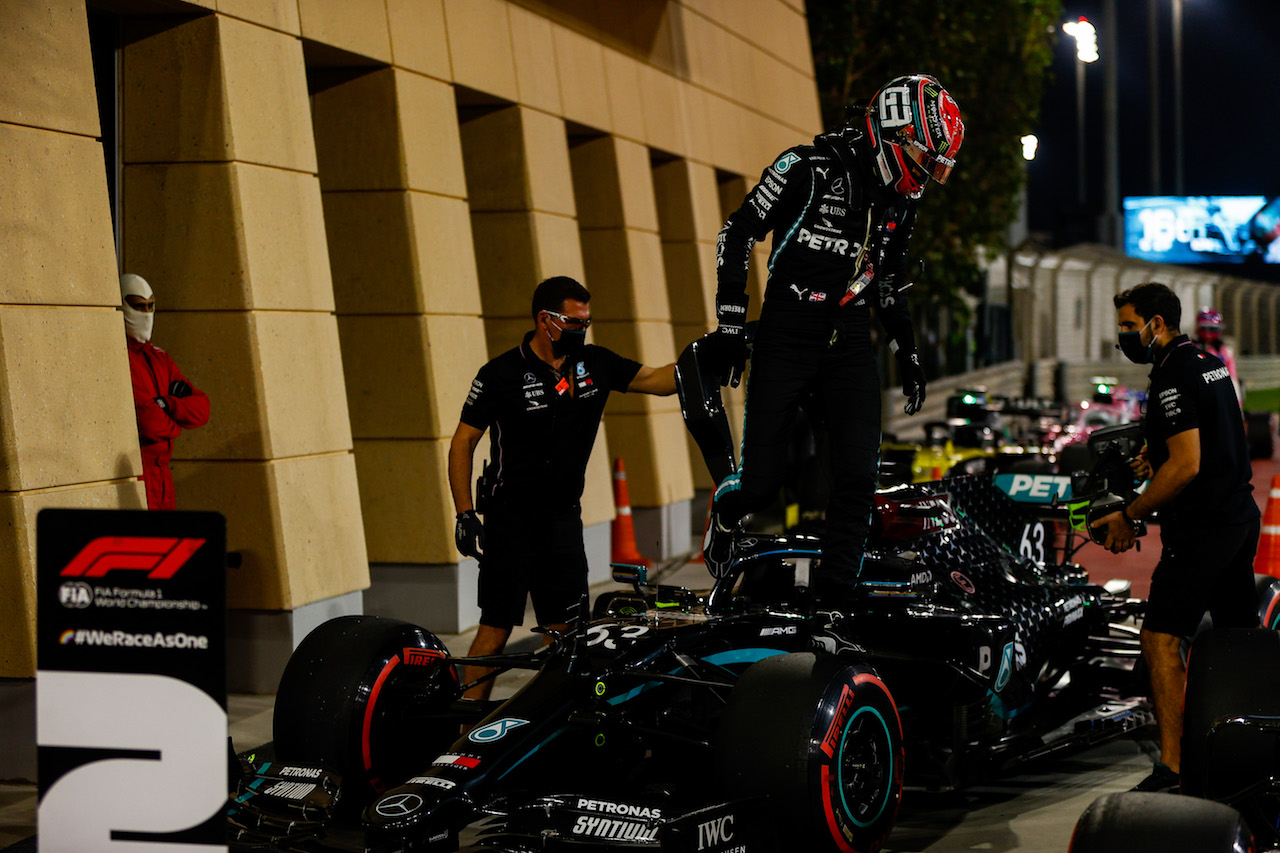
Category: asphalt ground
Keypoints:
(1033, 809)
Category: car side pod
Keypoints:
(1157, 823)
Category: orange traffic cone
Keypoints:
(1268, 560)
(623, 531)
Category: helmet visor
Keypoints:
(933, 164)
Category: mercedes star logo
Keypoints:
(398, 805)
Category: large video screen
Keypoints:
(1202, 229)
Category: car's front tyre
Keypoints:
(821, 739)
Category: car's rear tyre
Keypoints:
(1159, 823)
(821, 739)
(358, 695)
(1232, 673)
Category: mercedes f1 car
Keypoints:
(749, 717)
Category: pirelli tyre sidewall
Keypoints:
(821, 738)
(357, 696)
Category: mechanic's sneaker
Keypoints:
(717, 546)
(1161, 781)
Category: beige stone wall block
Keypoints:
(357, 133)
(405, 500)
(665, 113)
(597, 490)
(408, 376)
(85, 430)
(687, 200)
(547, 163)
(358, 26)
(57, 246)
(501, 334)
(532, 48)
(691, 282)
(727, 145)
(401, 253)
(18, 560)
(371, 252)
(711, 54)
(218, 353)
(277, 14)
(653, 448)
(692, 103)
(48, 71)
(185, 236)
(418, 36)
(494, 158)
(580, 66)
(635, 178)
(445, 254)
(430, 146)
(284, 239)
(247, 495)
(625, 271)
(320, 526)
(303, 391)
(597, 188)
(480, 46)
(270, 124)
(622, 79)
(296, 523)
(173, 98)
(559, 252)
(649, 282)
(506, 261)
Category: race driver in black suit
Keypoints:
(841, 211)
(1209, 523)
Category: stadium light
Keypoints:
(1086, 39)
(1029, 144)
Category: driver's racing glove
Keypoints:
(731, 337)
(913, 380)
(468, 534)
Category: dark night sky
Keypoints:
(1231, 107)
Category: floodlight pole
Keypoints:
(1080, 165)
(1153, 75)
(1179, 189)
(1111, 136)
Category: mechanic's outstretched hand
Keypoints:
(913, 381)
(1120, 534)
(468, 534)
(1141, 465)
(730, 339)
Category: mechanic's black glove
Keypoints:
(913, 381)
(179, 388)
(469, 534)
(731, 337)
(163, 404)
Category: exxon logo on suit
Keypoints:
(1034, 488)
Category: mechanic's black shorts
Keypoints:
(531, 551)
(1203, 568)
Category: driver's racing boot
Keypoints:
(717, 545)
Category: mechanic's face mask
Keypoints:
(570, 343)
(138, 322)
(1130, 343)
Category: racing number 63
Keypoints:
(184, 788)
(1031, 545)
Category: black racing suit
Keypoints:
(829, 216)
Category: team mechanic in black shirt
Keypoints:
(1209, 523)
(841, 211)
(542, 403)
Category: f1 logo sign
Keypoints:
(159, 557)
(713, 832)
